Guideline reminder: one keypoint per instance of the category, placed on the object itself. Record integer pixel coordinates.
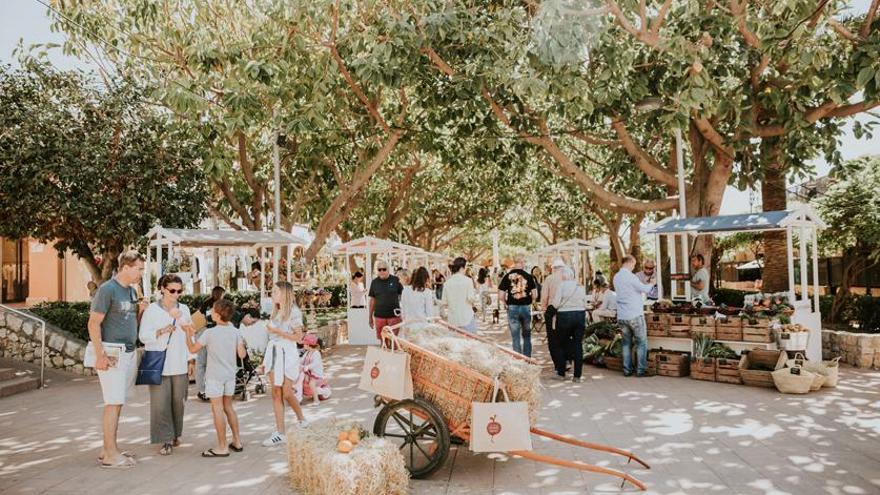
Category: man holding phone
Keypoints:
(113, 330)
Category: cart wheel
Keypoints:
(420, 430)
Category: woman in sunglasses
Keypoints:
(163, 328)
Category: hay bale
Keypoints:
(375, 466)
(522, 380)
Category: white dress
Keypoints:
(282, 355)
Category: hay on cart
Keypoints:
(521, 378)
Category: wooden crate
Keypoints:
(673, 363)
(703, 325)
(680, 326)
(727, 371)
(729, 328)
(613, 363)
(703, 369)
(773, 360)
(658, 324)
(757, 330)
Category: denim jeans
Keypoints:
(639, 329)
(570, 331)
(519, 319)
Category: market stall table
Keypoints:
(803, 222)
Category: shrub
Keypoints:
(71, 317)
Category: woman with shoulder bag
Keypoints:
(570, 303)
(162, 329)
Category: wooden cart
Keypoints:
(425, 434)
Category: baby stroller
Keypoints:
(247, 372)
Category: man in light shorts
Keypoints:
(113, 329)
(224, 343)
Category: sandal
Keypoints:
(122, 463)
(233, 448)
(124, 453)
(211, 453)
(166, 449)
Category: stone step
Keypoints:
(6, 374)
(18, 385)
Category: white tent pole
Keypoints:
(159, 267)
(290, 263)
(145, 281)
(805, 293)
(658, 266)
(276, 259)
(673, 266)
(789, 249)
(814, 234)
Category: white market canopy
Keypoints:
(574, 249)
(241, 240)
(374, 245)
(572, 245)
(745, 222)
(199, 238)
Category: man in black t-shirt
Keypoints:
(384, 295)
(517, 291)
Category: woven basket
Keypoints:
(788, 382)
(818, 380)
(828, 369)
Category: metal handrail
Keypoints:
(42, 338)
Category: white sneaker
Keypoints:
(275, 439)
(304, 423)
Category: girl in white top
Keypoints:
(282, 357)
(417, 301)
(162, 328)
(358, 291)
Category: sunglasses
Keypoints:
(175, 291)
(382, 269)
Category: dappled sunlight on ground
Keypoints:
(699, 438)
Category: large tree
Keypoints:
(851, 208)
(92, 169)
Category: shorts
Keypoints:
(219, 388)
(118, 383)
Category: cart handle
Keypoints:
(588, 445)
(578, 465)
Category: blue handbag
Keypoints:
(152, 364)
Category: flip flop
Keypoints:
(211, 453)
(122, 463)
(124, 453)
(236, 449)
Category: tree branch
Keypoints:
(234, 203)
(869, 19)
(739, 12)
(711, 135)
(843, 31)
(646, 163)
(223, 216)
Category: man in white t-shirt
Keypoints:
(700, 278)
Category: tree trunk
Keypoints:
(846, 281)
(775, 273)
(345, 200)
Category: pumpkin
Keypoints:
(344, 446)
(343, 435)
(354, 436)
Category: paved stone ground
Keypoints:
(699, 438)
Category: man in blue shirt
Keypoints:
(631, 315)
